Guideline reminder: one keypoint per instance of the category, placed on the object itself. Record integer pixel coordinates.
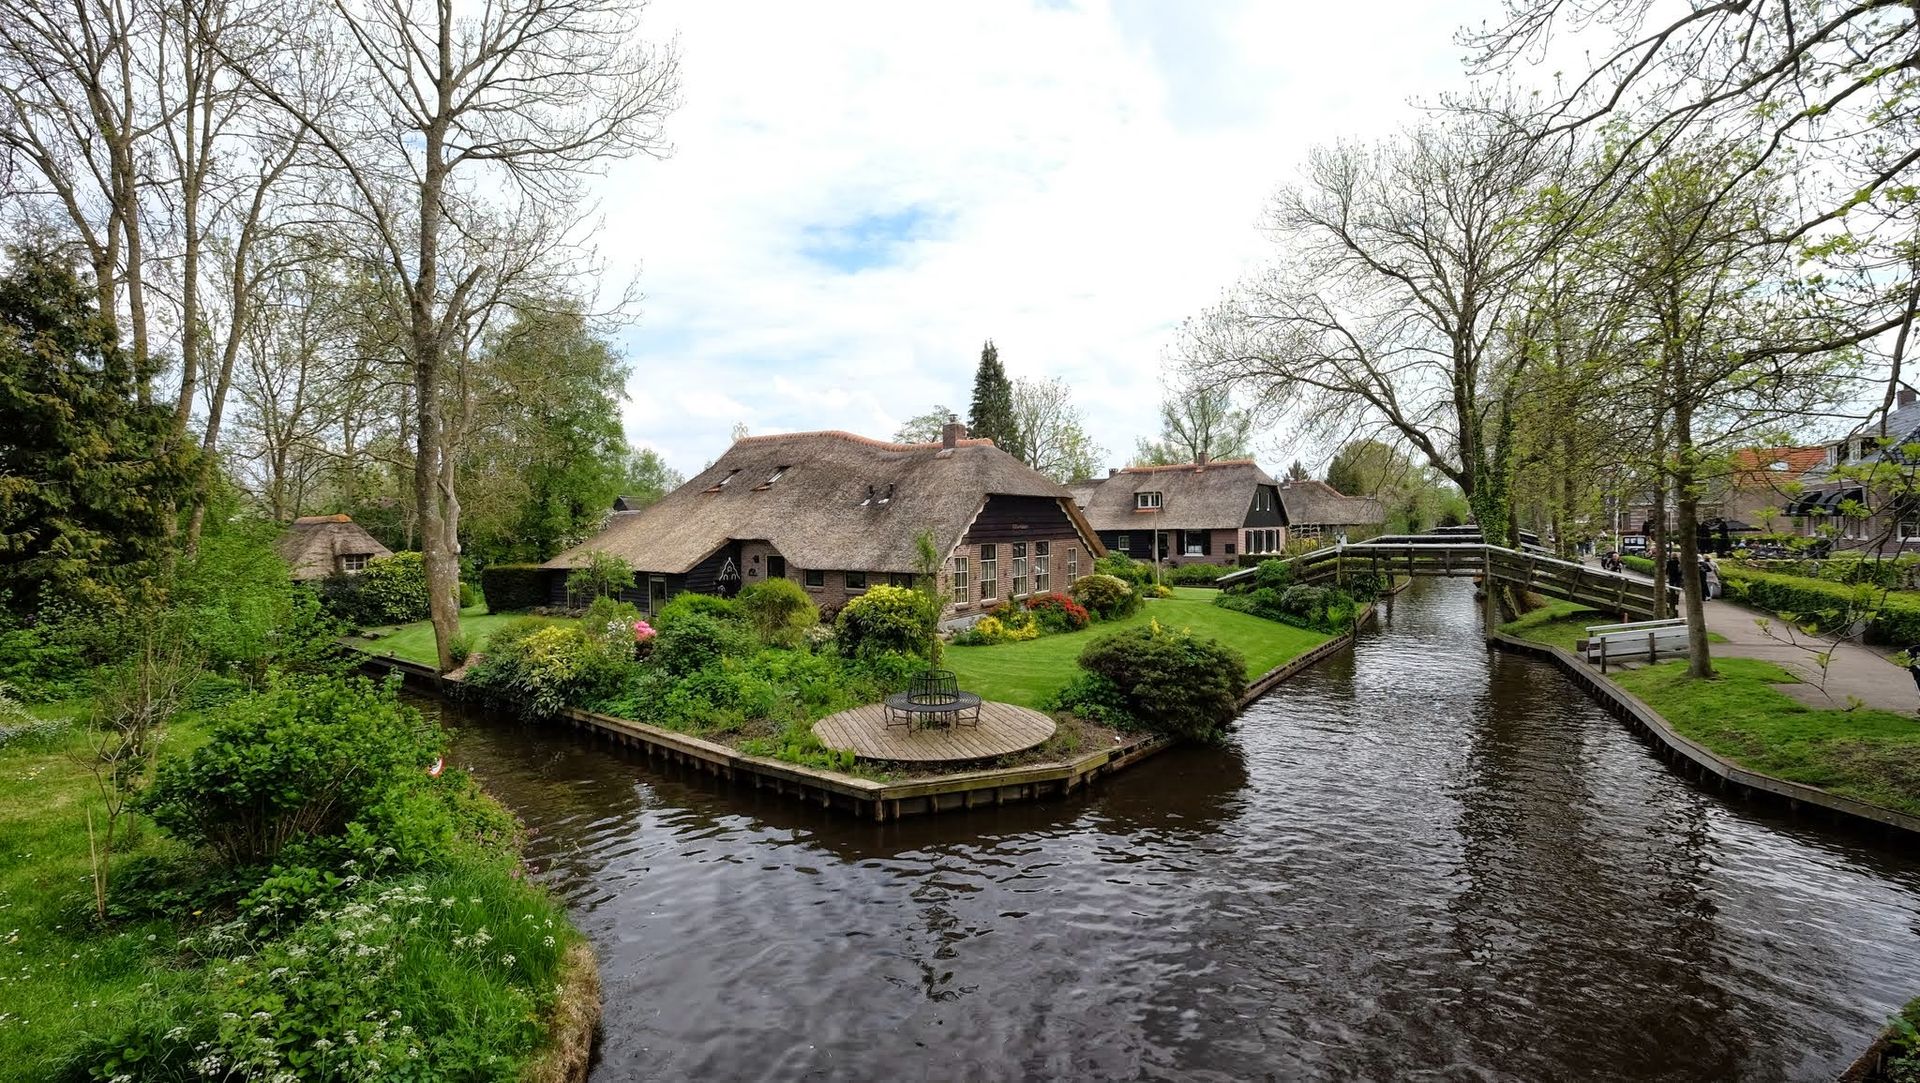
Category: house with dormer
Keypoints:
(839, 514)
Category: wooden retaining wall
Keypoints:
(1702, 763)
(879, 801)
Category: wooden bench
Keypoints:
(1646, 640)
(933, 698)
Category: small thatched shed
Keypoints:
(316, 546)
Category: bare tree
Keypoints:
(1198, 423)
(1397, 270)
(462, 149)
(1052, 437)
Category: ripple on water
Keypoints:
(1416, 860)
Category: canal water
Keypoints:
(1417, 860)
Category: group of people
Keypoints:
(1708, 571)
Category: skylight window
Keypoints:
(775, 476)
(728, 478)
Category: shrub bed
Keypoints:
(1107, 597)
(1194, 575)
(391, 590)
(1152, 678)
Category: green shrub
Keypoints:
(1171, 683)
(539, 668)
(694, 641)
(1157, 590)
(1323, 609)
(1105, 596)
(779, 612)
(611, 619)
(1643, 565)
(511, 587)
(687, 603)
(882, 619)
(390, 590)
(298, 762)
(1828, 608)
(602, 575)
(1194, 575)
(1124, 568)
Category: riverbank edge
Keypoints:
(877, 801)
(1681, 750)
(573, 1024)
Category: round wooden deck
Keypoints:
(1004, 729)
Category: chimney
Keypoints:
(952, 432)
(1113, 471)
(1906, 397)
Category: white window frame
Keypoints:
(1123, 543)
(960, 583)
(1190, 546)
(1042, 571)
(1019, 569)
(1144, 501)
(989, 572)
(1073, 563)
(355, 562)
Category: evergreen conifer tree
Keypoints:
(992, 415)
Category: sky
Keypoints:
(860, 194)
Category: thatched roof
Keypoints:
(312, 545)
(1315, 503)
(1208, 496)
(839, 501)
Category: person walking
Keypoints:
(1712, 587)
(1674, 587)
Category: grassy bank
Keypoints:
(414, 642)
(1865, 754)
(445, 968)
(1029, 673)
(1565, 624)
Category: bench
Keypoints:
(1646, 640)
(933, 698)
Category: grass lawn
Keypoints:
(1565, 624)
(1029, 673)
(60, 975)
(414, 642)
(1865, 754)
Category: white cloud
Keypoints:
(1071, 181)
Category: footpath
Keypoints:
(1851, 670)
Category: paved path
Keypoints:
(1852, 670)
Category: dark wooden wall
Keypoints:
(1272, 518)
(1018, 518)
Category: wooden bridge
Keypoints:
(1464, 554)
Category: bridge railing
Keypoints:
(1536, 572)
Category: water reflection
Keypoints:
(1417, 859)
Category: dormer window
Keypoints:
(771, 478)
(876, 497)
(886, 497)
(722, 483)
(1146, 501)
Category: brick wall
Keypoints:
(1058, 578)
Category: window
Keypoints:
(960, 581)
(856, 580)
(354, 562)
(1146, 500)
(656, 593)
(771, 478)
(989, 572)
(1121, 543)
(815, 577)
(1195, 545)
(729, 477)
(1073, 563)
(1909, 529)
(1229, 548)
(1042, 575)
(1019, 569)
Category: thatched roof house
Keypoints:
(1206, 512)
(1315, 508)
(316, 546)
(1215, 511)
(840, 513)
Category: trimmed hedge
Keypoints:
(508, 587)
(1194, 575)
(1892, 619)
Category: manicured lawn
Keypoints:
(1865, 754)
(1565, 624)
(414, 642)
(1031, 672)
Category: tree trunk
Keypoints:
(438, 552)
(1687, 500)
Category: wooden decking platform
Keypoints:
(1004, 729)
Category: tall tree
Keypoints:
(649, 477)
(1198, 421)
(89, 474)
(992, 415)
(461, 143)
(1049, 432)
(1395, 272)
